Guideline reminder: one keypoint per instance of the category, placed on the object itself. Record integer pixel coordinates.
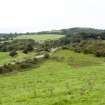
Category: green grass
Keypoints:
(77, 59)
(56, 82)
(40, 38)
(5, 58)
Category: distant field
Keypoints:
(5, 58)
(40, 38)
(67, 79)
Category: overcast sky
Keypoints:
(38, 15)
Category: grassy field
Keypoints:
(66, 79)
(5, 58)
(40, 38)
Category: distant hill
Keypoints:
(69, 31)
(72, 31)
(78, 30)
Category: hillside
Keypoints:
(68, 78)
(53, 69)
(77, 30)
(74, 30)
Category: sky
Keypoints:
(40, 15)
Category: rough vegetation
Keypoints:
(57, 71)
(57, 82)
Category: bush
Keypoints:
(46, 55)
(1, 69)
(65, 48)
(35, 60)
(6, 68)
(25, 51)
(100, 53)
(13, 53)
(29, 48)
(47, 49)
(78, 50)
(24, 65)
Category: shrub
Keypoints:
(100, 53)
(35, 60)
(25, 51)
(1, 69)
(77, 49)
(6, 68)
(13, 53)
(65, 48)
(47, 49)
(24, 65)
(29, 48)
(46, 55)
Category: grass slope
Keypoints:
(56, 82)
(77, 59)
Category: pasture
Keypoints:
(40, 38)
(65, 79)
